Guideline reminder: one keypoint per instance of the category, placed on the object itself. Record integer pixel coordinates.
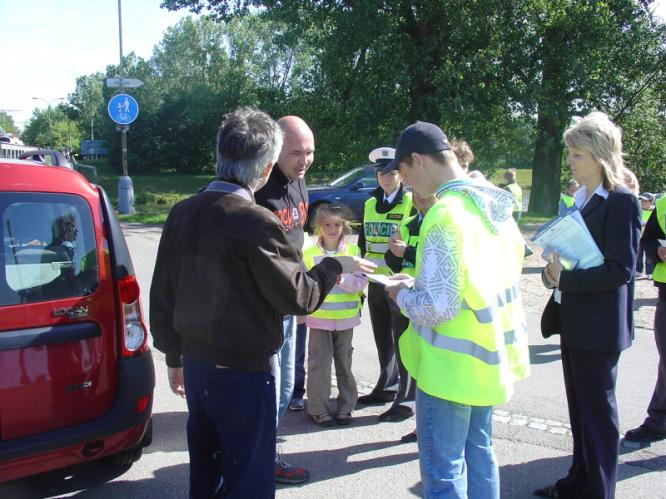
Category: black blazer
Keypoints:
(596, 312)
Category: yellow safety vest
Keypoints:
(517, 196)
(411, 240)
(474, 358)
(645, 215)
(338, 304)
(378, 228)
(567, 201)
(659, 272)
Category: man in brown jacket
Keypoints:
(225, 275)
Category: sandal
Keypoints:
(344, 419)
(324, 420)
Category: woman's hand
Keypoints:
(553, 270)
(397, 245)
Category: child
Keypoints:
(331, 326)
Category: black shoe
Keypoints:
(376, 398)
(550, 491)
(409, 438)
(396, 413)
(644, 434)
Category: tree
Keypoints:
(7, 123)
(571, 57)
(63, 131)
(88, 99)
(476, 67)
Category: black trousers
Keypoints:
(406, 386)
(657, 409)
(382, 330)
(589, 379)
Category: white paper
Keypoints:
(568, 235)
(387, 279)
(662, 242)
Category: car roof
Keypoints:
(30, 176)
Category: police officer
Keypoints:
(401, 258)
(389, 205)
(654, 426)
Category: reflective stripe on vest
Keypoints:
(338, 304)
(659, 272)
(486, 315)
(378, 228)
(475, 357)
(461, 345)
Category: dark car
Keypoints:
(76, 373)
(353, 189)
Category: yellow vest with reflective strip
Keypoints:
(411, 240)
(517, 196)
(338, 304)
(378, 228)
(475, 357)
(659, 272)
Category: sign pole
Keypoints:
(125, 185)
(123, 145)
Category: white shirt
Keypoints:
(389, 198)
(581, 198)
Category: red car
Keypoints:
(76, 374)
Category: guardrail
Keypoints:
(13, 150)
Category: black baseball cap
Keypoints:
(420, 137)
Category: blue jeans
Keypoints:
(299, 377)
(230, 431)
(455, 449)
(282, 366)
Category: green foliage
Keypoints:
(507, 76)
(53, 128)
(7, 123)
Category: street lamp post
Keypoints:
(48, 114)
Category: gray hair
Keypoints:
(597, 134)
(247, 141)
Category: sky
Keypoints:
(49, 43)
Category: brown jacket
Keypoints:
(225, 275)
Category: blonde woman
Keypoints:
(592, 311)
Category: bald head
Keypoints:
(297, 148)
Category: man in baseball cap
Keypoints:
(469, 259)
(421, 137)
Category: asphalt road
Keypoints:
(367, 460)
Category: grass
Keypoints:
(154, 195)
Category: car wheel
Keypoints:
(125, 458)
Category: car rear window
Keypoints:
(48, 249)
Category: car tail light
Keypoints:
(141, 404)
(134, 337)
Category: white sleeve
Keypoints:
(437, 293)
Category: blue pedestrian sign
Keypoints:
(123, 109)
